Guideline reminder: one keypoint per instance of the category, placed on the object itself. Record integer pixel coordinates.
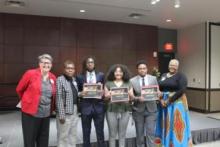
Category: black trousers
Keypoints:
(35, 130)
(99, 127)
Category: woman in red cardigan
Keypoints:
(37, 91)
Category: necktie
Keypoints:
(143, 82)
(90, 77)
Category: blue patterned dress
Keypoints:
(173, 123)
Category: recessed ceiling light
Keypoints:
(136, 15)
(153, 2)
(14, 3)
(82, 11)
(177, 6)
(168, 20)
(177, 3)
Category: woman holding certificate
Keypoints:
(173, 125)
(118, 93)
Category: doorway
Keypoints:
(164, 59)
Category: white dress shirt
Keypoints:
(145, 80)
(91, 77)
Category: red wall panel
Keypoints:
(1, 54)
(14, 35)
(14, 20)
(1, 72)
(32, 21)
(32, 52)
(85, 33)
(1, 28)
(13, 54)
(68, 32)
(41, 36)
(24, 37)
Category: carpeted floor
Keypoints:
(214, 116)
(11, 133)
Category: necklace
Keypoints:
(170, 75)
(118, 83)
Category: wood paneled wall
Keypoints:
(24, 37)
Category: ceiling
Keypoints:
(191, 11)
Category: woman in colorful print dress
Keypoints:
(173, 123)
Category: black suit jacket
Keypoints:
(87, 106)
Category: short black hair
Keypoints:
(141, 62)
(111, 72)
(67, 62)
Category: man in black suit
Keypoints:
(91, 108)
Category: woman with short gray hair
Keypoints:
(45, 56)
(37, 92)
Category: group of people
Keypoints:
(164, 122)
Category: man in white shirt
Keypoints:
(144, 112)
(91, 108)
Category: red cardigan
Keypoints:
(29, 90)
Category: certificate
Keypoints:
(119, 94)
(19, 104)
(150, 93)
(93, 91)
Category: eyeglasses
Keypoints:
(142, 68)
(90, 62)
(48, 63)
(70, 68)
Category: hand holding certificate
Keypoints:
(93, 91)
(150, 93)
(119, 94)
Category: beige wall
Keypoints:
(214, 100)
(191, 53)
(196, 99)
(215, 57)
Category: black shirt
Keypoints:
(176, 83)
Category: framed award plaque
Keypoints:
(93, 91)
(119, 94)
(150, 93)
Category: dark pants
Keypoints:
(99, 126)
(35, 131)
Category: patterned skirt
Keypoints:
(173, 125)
